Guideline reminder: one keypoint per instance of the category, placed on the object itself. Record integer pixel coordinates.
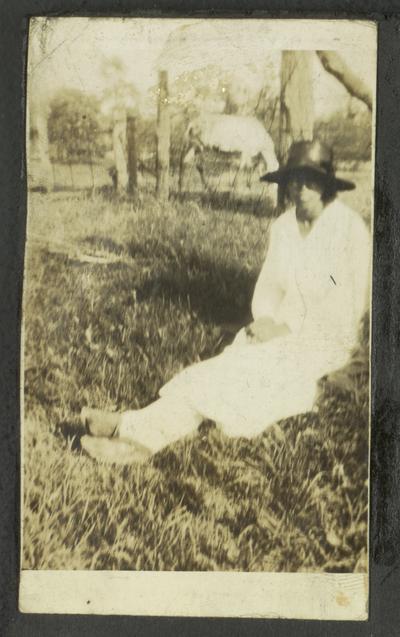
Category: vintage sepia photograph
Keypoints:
(196, 317)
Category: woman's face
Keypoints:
(305, 191)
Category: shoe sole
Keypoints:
(114, 451)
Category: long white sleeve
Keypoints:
(267, 293)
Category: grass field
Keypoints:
(109, 334)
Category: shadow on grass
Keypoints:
(249, 204)
(216, 292)
(72, 431)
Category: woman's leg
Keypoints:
(133, 436)
(160, 423)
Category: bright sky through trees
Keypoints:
(73, 52)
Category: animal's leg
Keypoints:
(241, 166)
(270, 159)
(246, 165)
(259, 165)
(181, 169)
(186, 155)
(270, 163)
(249, 174)
(200, 168)
(233, 183)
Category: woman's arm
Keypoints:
(267, 296)
(267, 293)
(264, 329)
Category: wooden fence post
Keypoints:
(163, 138)
(131, 154)
(119, 147)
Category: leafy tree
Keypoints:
(74, 126)
(348, 132)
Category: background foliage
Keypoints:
(79, 130)
(74, 126)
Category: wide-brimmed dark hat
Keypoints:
(314, 157)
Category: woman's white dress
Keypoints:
(318, 286)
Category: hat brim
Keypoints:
(280, 176)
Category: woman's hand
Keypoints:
(264, 329)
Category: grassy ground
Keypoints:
(109, 335)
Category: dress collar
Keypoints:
(319, 222)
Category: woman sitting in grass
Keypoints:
(307, 305)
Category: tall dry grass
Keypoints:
(110, 334)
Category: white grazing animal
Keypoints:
(241, 134)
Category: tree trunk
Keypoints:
(39, 166)
(163, 138)
(333, 63)
(296, 103)
(132, 154)
(40, 174)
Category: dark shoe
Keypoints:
(100, 423)
(114, 450)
